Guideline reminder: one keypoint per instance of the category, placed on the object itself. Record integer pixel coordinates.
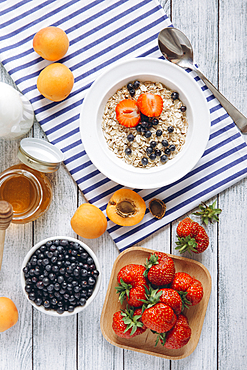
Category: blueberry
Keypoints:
(60, 279)
(149, 150)
(82, 301)
(60, 310)
(136, 84)
(128, 151)
(40, 285)
(148, 134)
(174, 95)
(170, 129)
(91, 281)
(46, 281)
(167, 151)
(163, 158)
(49, 243)
(130, 137)
(132, 92)
(45, 262)
(155, 121)
(153, 144)
(144, 124)
(38, 301)
(46, 303)
(172, 147)
(28, 288)
(158, 152)
(152, 156)
(64, 243)
(183, 108)
(70, 308)
(138, 128)
(130, 86)
(158, 133)
(144, 161)
(164, 143)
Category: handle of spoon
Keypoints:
(6, 215)
(238, 117)
(2, 238)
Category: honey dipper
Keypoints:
(6, 214)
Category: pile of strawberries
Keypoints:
(156, 296)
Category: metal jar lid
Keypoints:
(40, 155)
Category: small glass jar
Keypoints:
(25, 186)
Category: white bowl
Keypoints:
(77, 309)
(144, 69)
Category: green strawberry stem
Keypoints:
(123, 289)
(185, 302)
(160, 337)
(208, 213)
(153, 260)
(131, 320)
(152, 297)
(186, 244)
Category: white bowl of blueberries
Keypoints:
(60, 276)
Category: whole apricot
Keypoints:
(8, 314)
(126, 208)
(55, 82)
(89, 221)
(51, 43)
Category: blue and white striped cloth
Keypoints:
(100, 33)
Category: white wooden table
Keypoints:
(218, 32)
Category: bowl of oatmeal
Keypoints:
(134, 146)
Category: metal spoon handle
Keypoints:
(238, 117)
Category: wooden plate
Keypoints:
(145, 343)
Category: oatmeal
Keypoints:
(154, 140)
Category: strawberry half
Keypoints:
(127, 113)
(149, 104)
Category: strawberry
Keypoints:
(149, 104)
(172, 299)
(131, 284)
(159, 318)
(193, 288)
(191, 237)
(127, 113)
(160, 269)
(127, 323)
(178, 336)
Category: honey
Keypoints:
(27, 190)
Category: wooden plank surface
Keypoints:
(217, 30)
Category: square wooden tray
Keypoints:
(145, 343)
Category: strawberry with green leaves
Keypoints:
(193, 288)
(160, 269)
(159, 318)
(132, 284)
(127, 323)
(192, 237)
(168, 296)
(178, 336)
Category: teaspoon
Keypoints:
(176, 48)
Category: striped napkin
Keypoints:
(100, 33)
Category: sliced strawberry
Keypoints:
(127, 113)
(149, 104)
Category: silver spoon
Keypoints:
(176, 48)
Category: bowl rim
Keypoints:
(96, 288)
(92, 136)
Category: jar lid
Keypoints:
(40, 155)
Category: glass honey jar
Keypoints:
(25, 185)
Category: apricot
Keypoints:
(88, 221)
(55, 82)
(8, 314)
(126, 208)
(51, 43)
